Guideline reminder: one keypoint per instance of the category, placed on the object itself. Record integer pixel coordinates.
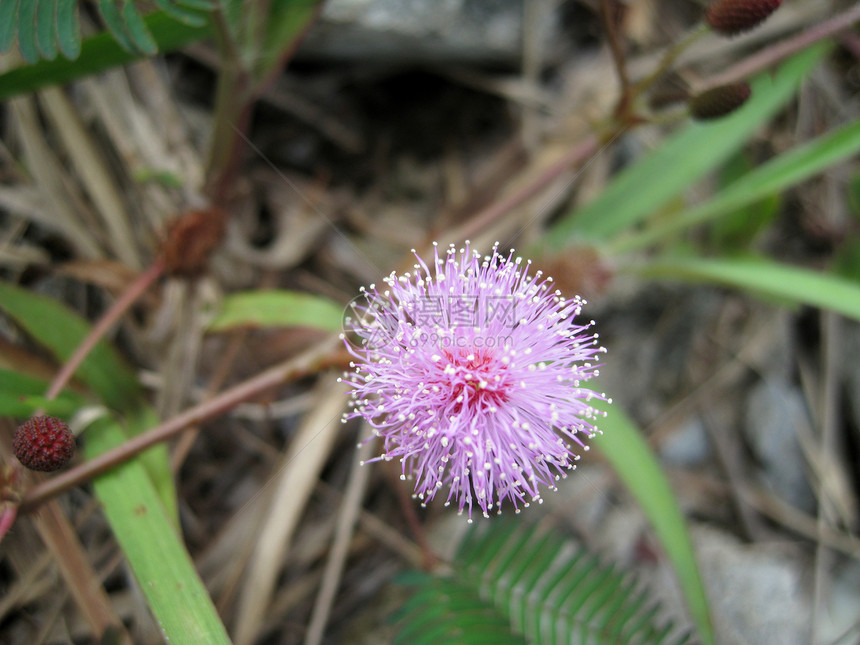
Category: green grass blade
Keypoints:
(68, 28)
(666, 172)
(46, 28)
(773, 177)
(161, 564)
(766, 277)
(98, 54)
(8, 23)
(278, 308)
(634, 463)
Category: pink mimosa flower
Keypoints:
(473, 374)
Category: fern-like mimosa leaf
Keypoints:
(98, 53)
(140, 36)
(8, 22)
(182, 14)
(202, 5)
(68, 28)
(27, 31)
(46, 28)
(116, 25)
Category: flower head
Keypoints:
(472, 374)
(44, 443)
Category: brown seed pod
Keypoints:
(190, 241)
(44, 443)
(732, 17)
(719, 101)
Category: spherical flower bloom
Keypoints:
(472, 374)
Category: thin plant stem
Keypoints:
(494, 212)
(110, 317)
(609, 26)
(304, 364)
(668, 60)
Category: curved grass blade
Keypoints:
(787, 283)
(635, 465)
(768, 179)
(663, 174)
(68, 28)
(46, 28)
(278, 308)
(161, 564)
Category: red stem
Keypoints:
(301, 365)
(119, 307)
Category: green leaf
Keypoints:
(68, 28)
(788, 283)
(160, 563)
(277, 308)
(46, 28)
(27, 31)
(98, 53)
(137, 31)
(286, 21)
(61, 330)
(635, 465)
(770, 178)
(8, 23)
(664, 173)
(21, 395)
(536, 587)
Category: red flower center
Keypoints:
(473, 377)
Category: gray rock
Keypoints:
(418, 31)
(776, 414)
(687, 446)
(756, 594)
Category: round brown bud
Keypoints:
(719, 101)
(732, 17)
(44, 443)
